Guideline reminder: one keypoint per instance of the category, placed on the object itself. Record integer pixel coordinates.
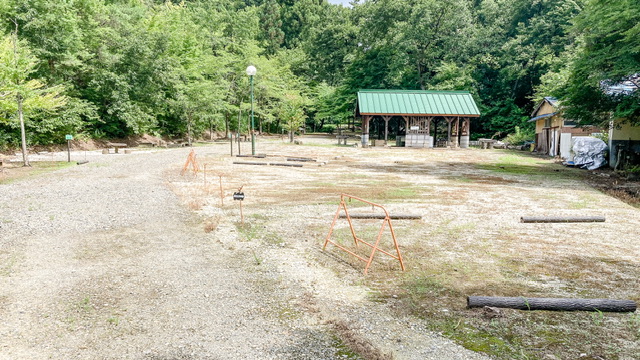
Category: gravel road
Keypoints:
(104, 261)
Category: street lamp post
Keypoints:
(251, 71)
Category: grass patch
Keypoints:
(7, 263)
(257, 230)
(371, 190)
(12, 174)
(521, 164)
(437, 294)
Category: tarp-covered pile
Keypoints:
(589, 152)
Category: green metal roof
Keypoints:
(416, 102)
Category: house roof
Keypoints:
(549, 100)
(417, 102)
(541, 117)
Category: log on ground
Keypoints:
(301, 159)
(258, 156)
(382, 216)
(249, 163)
(282, 164)
(559, 219)
(553, 304)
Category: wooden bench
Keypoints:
(116, 146)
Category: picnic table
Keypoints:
(487, 143)
(116, 146)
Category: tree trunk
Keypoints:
(23, 133)
(559, 219)
(226, 124)
(189, 130)
(228, 131)
(554, 304)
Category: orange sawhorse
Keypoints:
(191, 161)
(357, 240)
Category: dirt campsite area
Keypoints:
(129, 256)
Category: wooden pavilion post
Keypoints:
(448, 133)
(365, 130)
(465, 132)
(455, 125)
(386, 119)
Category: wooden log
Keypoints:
(559, 219)
(259, 156)
(289, 165)
(382, 216)
(553, 304)
(301, 159)
(249, 163)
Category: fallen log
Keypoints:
(552, 304)
(302, 159)
(289, 165)
(559, 219)
(259, 156)
(382, 216)
(249, 163)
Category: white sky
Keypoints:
(343, 2)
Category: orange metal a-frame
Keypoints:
(357, 240)
(191, 161)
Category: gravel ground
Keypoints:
(105, 261)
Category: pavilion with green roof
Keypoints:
(418, 109)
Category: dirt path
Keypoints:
(104, 261)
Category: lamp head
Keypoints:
(251, 70)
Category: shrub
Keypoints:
(520, 136)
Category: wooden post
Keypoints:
(238, 141)
(221, 192)
(205, 179)
(455, 131)
(386, 127)
(435, 133)
(365, 130)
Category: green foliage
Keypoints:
(609, 55)
(177, 68)
(22, 97)
(520, 136)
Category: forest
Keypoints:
(101, 69)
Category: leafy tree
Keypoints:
(292, 112)
(271, 26)
(609, 55)
(20, 95)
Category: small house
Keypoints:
(624, 138)
(624, 144)
(553, 132)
